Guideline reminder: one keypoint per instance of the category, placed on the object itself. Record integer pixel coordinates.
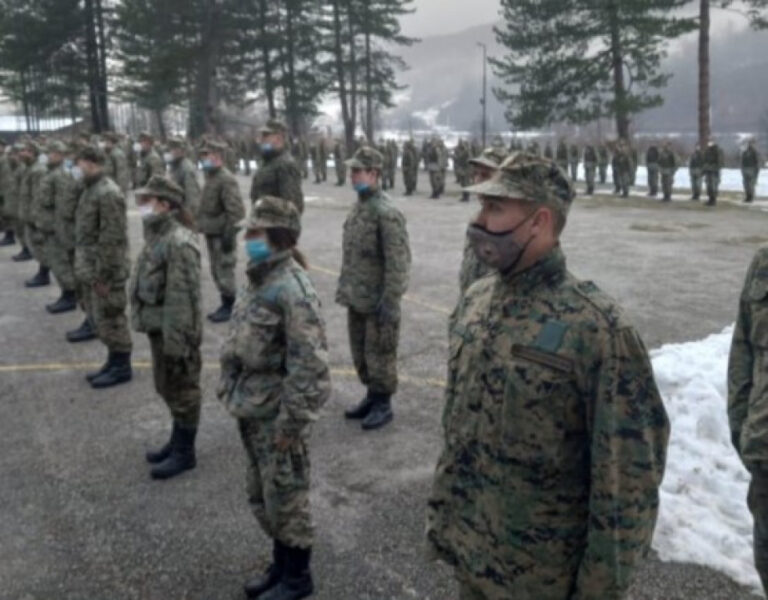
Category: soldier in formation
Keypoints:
(386, 169)
(696, 171)
(274, 380)
(278, 175)
(634, 157)
(7, 216)
(376, 260)
(339, 156)
(394, 155)
(410, 165)
(622, 168)
(573, 161)
(667, 168)
(590, 167)
(117, 168)
(652, 166)
(319, 160)
(561, 155)
(221, 209)
(750, 170)
(461, 167)
(712, 165)
(531, 498)
(32, 175)
(437, 164)
(150, 162)
(602, 162)
(183, 172)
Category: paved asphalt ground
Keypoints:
(81, 520)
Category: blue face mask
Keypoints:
(267, 148)
(361, 188)
(208, 164)
(257, 250)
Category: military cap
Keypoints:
(145, 135)
(159, 186)
(57, 146)
(30, 145)
(92, 154)
(271, 211)
(177, 142)
(528, 177)
(273, 126)
(111, 136)
(213, 146)
(366, 158)
(491, 157)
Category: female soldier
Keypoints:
(274, 379)
(165, 298)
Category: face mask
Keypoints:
(77, 173)
(362, 188)
(267, 148)
(68, 165)
(207, 164)
(500, 250)
(137, 147)
(257, 250)
(43, 159)
(146, 211)
(102, 146)
(168, 157)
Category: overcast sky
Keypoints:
(434, 17)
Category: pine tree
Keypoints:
(584, 60)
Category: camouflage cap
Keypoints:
(58, 147)
(273, 126)
(524, 176)
(145, 135)
(491, 157)
(271, 211)
(92, 154)
(213, 146)
(366, 158)
(160, 186)
(177, 142)
(33, 147)
(111, 136)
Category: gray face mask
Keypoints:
(498, 250)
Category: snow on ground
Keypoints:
(703, 517)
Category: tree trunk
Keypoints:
(92, 63)
(352, 78)
(291, 104)
(269, 85)
(704, 122)
(102, 56)
(201, 115)
(338, 51)
(368, 82)
(160, 123)
(619, 87)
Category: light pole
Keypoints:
(483, 100)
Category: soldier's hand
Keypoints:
(101, 289)
(387, 313)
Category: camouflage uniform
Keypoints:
(652, 165)
(150, 164)
(695, 168)
(339, 156)
(221, 208)
(410, 165)
(667, 167)
(393, 153)
(590, 166)
(712, 164)
(634, 158)
(602, 162)
(748, 399)
(561, 155)
(319, 160)
(573, 161)
(461, 166)
(117, 165)
(622, 169)
(750, 170)
(184, 173)
(278, 175)
(385, 169)
(29, 209)
(555, 432)
(437, 163)
(376, 260)
(274, 380)
(7, 200)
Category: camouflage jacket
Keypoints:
(696, 162)
(274, 362)
(31, 178)
(410, 160)
(165, 286)
(12, 207)
(278, 176)
(183, 172)
(56, 189)
(590, 156)
(221, 206)
(667, 162)
(652, 156)
(65, 216)
(750, 159)
(437, 157)
(150, 164)
(117, 169)
(6, 185)
(555, 440)
(101, 233)
(713, 159)
(461, 159)
(747, 376)
(376, 255)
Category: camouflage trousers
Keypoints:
(667, 183)
(222, 266)
(713, 185)
(437, 181)
(177, 380)
(696, 183)
(317, 171)
(374, 351)
(749, 177)
(108, 315)
(603, 170)
(589, 177)
(410, 177)
(277, 484)
(35, 240)
(653, 180)
(622, 179)
(757, 500)
(61, 261)
(341, 173)
(574, 171)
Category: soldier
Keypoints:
(602, 162)
(385, 182)
(166, 304)
(393, 158)
(29, 208)
(555, 432)
(548, 151)
(712, 164)
(410, 166)
(278, 175)
(102, 264)
(573, 162)
(561, 155)
(461, 167)
(695, 168)
(437, 165)
(376, 260)
(184, 174)
(622, 168)
(425, 147)
(747, 399)
(668, 167)
(590, 167)
(221, 209)
(652, 166)
(274, 380)
(150, 163)
(750, 169)
(483, 168)
(117, 164)
(13, 200)
(339, 156)
(55, 220)
(131, 151)
(314, 152)
(6, 216)
(533, 148)
(634, 161)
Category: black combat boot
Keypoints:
(89, 377)
(157, 456)
(118, 372)
(182, 456)
(296, 581)
(362, 409)
(224, 312)
(85, 332)
(9, 239)
(41, 278)
(22, 256)
(65, 303)
(258, 585)
(380, 413)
